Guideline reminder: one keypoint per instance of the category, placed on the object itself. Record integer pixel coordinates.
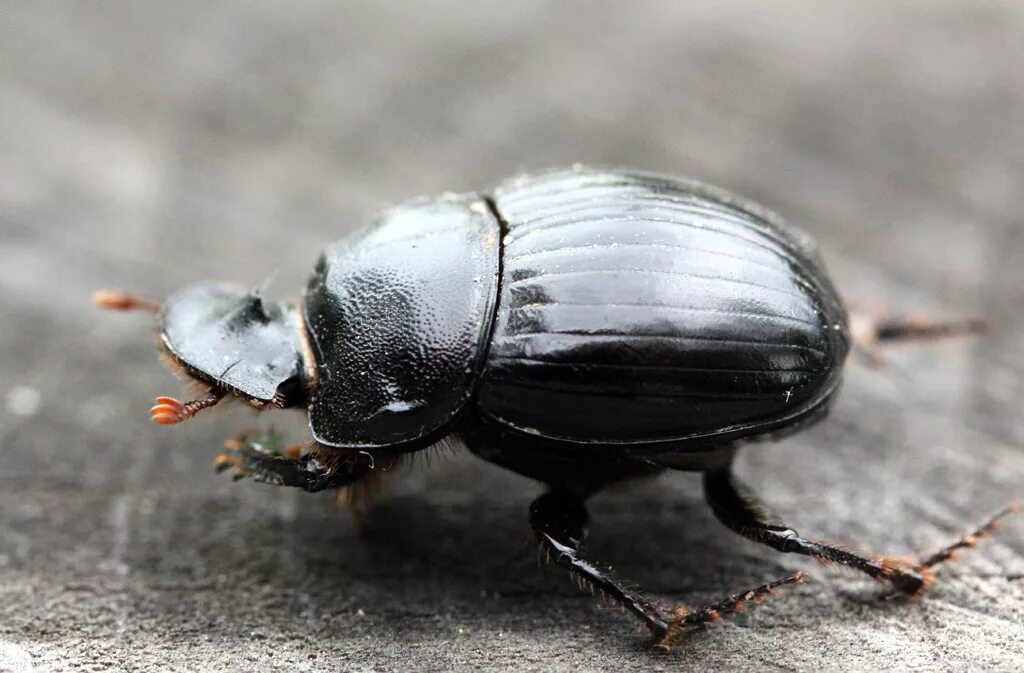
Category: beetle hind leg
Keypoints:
(559, 521)
(739, 508)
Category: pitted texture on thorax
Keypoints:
(398, 317)
(636, 308)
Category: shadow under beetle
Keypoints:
(580, 327)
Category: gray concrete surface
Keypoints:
(147, 145)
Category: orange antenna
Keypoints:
(118, 300)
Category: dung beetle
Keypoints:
(580, 327)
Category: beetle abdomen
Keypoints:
(639, 309)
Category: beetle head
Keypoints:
(228, 339)
(231, 339)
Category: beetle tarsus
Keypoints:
(970, 539)
(926, 565)
(713, 612)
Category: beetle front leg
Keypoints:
(259, 457)
(739, 508)
(559, 521)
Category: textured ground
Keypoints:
(149, 145)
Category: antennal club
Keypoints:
(170, 411)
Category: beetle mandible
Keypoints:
(580, 327)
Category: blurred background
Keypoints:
(151, 145)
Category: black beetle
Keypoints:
(580, 327)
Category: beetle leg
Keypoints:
(870, 333)
(739, 508)
(559, 521)
(968, 540)
(251, 458)
(712, 613)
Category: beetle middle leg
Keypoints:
(559, 521)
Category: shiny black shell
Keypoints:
(639, 309)
(397, 318)
(583, 307)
